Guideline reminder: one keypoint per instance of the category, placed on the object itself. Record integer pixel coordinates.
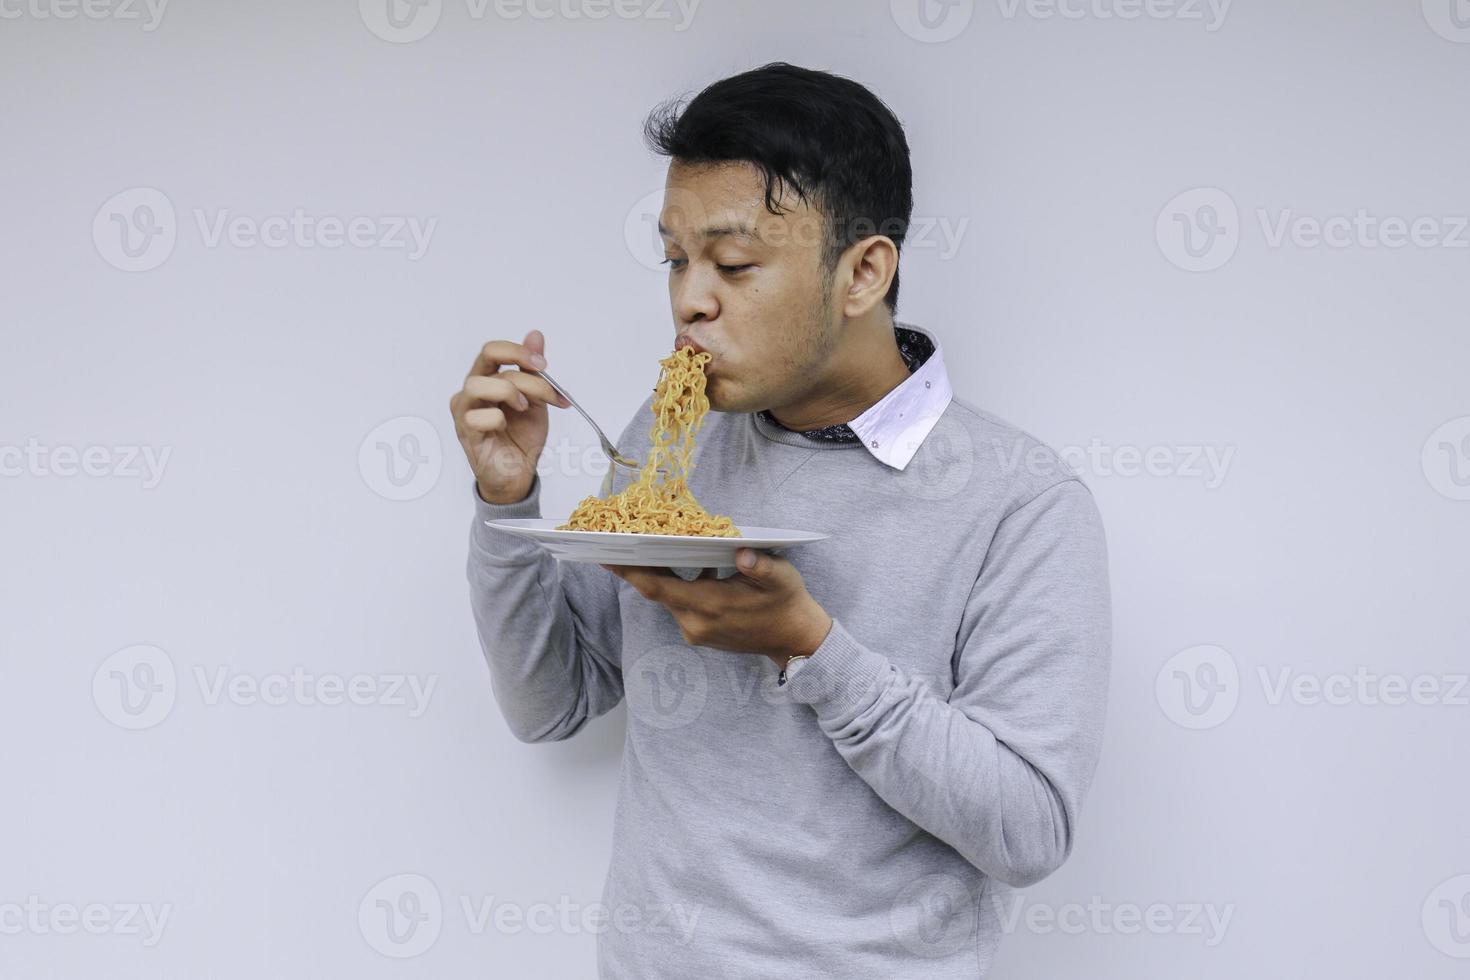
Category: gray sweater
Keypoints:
(866, 819)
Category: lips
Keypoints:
(687, 341)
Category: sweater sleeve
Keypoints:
(999, 769)
(551, 631)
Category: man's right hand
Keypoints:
(501, 418)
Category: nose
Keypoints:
(693, 297)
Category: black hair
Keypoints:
(826, 137)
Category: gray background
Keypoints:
(282, 382)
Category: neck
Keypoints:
(864, 366)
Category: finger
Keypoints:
(535, 342)
(484, 419)
(498, 353)
(652, 583)
(513, 389)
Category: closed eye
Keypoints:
(730, 270)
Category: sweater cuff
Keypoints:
(502, 547)
(841, 675)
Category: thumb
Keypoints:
(754, 564)
(536, 342)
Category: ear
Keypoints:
(871, 263)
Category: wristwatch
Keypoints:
(792, 666)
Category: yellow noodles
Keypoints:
(659, 501)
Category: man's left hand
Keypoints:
(765, 608)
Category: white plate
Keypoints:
(661, 550)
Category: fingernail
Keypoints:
(538, 362)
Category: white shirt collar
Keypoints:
(893, 427)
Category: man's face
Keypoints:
(747, 285)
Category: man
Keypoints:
(837, 759)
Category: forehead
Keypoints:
(727, 200)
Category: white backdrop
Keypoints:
(1216, 253)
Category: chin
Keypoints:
(719, 398)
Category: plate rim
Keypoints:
(809, 536)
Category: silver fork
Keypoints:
(607, 446)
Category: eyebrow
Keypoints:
(717, 231)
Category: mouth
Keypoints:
(684, 340)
